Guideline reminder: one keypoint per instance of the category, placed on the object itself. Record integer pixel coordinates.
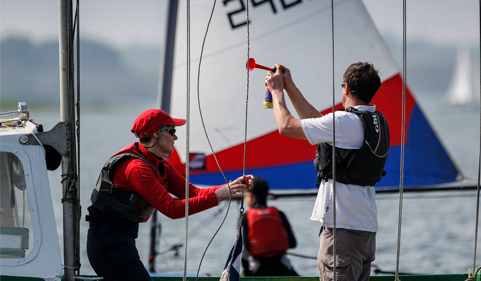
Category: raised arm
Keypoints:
(286, 123)
(303, 108)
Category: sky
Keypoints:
(124, 23)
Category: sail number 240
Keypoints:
(240, 7)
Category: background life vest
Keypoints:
(363, 166)
(267, 236)
(115, 201)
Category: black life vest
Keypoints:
(115, 201)
(363, 166)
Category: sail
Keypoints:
(296, 34)
(461, 90)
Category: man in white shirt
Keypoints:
(356, 215)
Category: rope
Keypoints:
(187, 143)
(403, 133)
(225, 276)
(208, 140)
(213, 236)
(192, 234)
(301, 256)
(333, 145)
(241, 209)
(479, 171)
(247, 91)
(205, 130)
(71, 179)
(77, 124)
(473, 277)
(198, 94)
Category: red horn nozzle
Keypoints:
(251, 64)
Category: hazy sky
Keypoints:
(141, 22)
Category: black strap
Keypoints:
(116, 205)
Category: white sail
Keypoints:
(298, 37)
(460, 91)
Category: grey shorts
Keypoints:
(355, 250)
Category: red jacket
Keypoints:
(136, 176)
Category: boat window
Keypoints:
(16, 233)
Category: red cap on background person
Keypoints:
(151, 121)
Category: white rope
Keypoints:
(479, 172)
(403, 134)
(334, 248)
(208, 140)
(226, 273)
(205, 130)
(187, 144)
(247, 89)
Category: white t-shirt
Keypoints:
(356, 205)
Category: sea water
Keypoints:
(437, 229)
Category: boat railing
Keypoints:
(22, 111)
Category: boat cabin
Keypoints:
(29, 242)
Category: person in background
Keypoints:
(134, 182)
(267, 235)
(362, 146)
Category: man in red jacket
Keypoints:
(134, 182)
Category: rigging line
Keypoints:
(237, 238)
(77, 210)
(77, 123)
(195, 232)
(428, 197)
(403, 132)
(217, 231)
(247, 93)
(205, 131)
(473, 277)
(205, 223)
(198, 95)
(333, 144)
(187, 143)
(479, 165)
(301, 256)
(208, 140)
(241, 208)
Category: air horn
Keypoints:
(251, 64)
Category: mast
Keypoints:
(70, 199)
(163, 102)
(165, 85)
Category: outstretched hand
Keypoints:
(237, 187)
(247, 180)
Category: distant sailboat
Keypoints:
(460, 91)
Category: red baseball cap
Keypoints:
(150, 121)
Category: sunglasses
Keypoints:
(171, 131)
(342, 85)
